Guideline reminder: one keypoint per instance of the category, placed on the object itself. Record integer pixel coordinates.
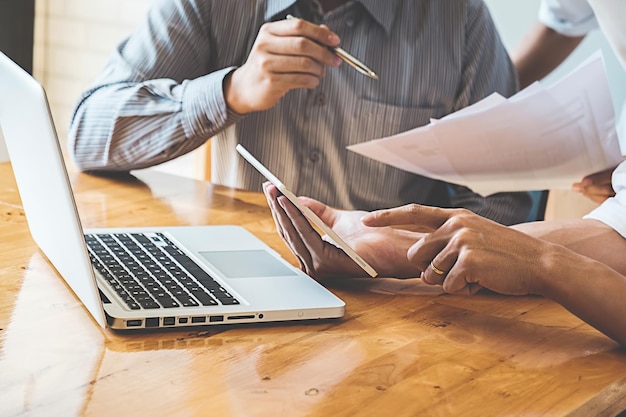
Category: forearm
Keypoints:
(160, 94)
(541, 50)
(128, 126)
(587, 288)
(587, 237)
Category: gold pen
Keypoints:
(349, 59)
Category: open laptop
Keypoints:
(136, 278)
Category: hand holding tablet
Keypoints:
(306, 211)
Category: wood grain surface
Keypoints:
(402, 349)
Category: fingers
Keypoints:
(411, 214)
(597, 187)
(596, 192)
(438, 268)
(461, 279)
(455, 283)
(313, 253)
(271, 194)
(323, 259)
(286, 228)
(300, 27)
(318, 258)
(296, 226)
(286, 55)
(296, 66)
(450, 273)
(299, 38)
(440, 256)
(428, 253)
(599, 178)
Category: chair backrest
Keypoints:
(539, 202)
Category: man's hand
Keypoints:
(596, 187)
(286, 55)
(383, 248)
(466, 252)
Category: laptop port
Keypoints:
(214, 319)
(198, 319)
(169, 321)
(133, 323)
(152, 322)
(183, 320)
(250, 316)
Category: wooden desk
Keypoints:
(402, 349)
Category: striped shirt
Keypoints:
(160, 96)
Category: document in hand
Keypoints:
(540, 138)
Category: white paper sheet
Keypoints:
(540, 138)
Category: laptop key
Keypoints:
(151, 272)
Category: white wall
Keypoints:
(513, 19)
(73, 39)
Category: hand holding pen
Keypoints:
(349, 59)
(286, 55)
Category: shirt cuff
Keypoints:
(204, 105)
(569, 18)
(612, 213)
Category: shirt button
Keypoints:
(314, 155)
(320, 99)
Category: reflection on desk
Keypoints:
(403, 348)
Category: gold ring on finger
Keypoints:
(437, 270)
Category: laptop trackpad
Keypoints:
(247, 264)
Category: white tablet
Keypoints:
(306, 211)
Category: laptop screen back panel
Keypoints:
(42, 179)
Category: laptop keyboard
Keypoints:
(149, 271)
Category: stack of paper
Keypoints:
(540, 138)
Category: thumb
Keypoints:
(327, 214)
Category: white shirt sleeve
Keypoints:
(613, 211)
(568, 17)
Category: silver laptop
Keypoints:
(136, 278)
